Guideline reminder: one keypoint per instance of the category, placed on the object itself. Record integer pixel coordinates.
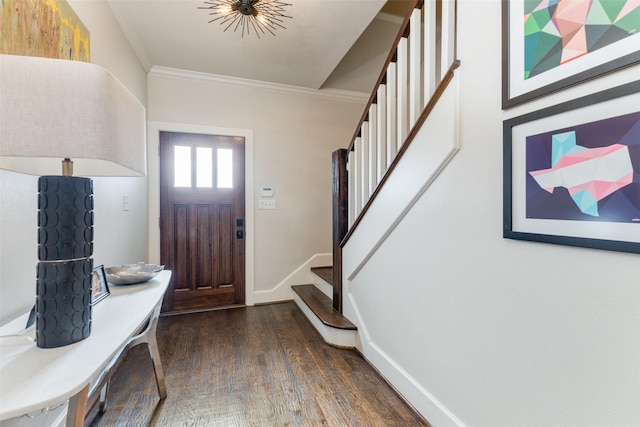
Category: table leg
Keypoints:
(103, 398)
(77, 408)
(148, 337)
(155, 353)
(157, 367)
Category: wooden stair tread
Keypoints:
(322, 306)
(325, 273)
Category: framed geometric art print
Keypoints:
(549, 45)
(572, 172)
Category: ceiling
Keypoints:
(328, 44)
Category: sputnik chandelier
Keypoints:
(259, 15)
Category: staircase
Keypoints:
(417, 87)
(316, 303)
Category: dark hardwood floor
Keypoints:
(251, 366)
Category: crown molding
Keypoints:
(332, 94)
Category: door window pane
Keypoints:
(204, 167)
(225, 167)
(182, 166)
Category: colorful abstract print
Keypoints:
(44, 28)
(559, 31)
(590, 172)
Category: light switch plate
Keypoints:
(267, 204)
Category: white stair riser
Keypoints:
(323, 285)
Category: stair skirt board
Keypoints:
(345, 338)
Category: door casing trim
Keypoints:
(153, 173)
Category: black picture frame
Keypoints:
(99, 285)
(613, 236)
(517, 90)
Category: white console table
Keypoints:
(34, 379)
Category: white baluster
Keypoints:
(448, 35)
(392, 112)
(415, 59)
(364, 163)
(373, 148)
(402, 91)
(381, 132)
(357, 175)
(351, 188)
(429, 51)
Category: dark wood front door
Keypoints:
(202, 219)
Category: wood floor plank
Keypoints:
(254, 366)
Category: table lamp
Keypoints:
(66, 121)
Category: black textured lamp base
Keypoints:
(65, 245)
(65, 218)
(63, 302)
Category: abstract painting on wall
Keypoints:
(552, 44)
(585, 173)
(44, 28)
(572, 172)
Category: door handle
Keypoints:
(239, 234)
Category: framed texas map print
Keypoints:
(550, 45)
(572, 172)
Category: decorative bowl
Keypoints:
(129, 274)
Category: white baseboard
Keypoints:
(415, 393)
(301, 276)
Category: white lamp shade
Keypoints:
(51, 109)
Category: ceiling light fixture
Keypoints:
(261, 15)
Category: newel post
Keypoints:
(340, 220)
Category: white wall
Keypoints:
(294, 133)
(482, 331)
(120, 237)
(109, 46)
(360, 68)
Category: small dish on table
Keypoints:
(130, 274)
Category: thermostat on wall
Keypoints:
(266, 192)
